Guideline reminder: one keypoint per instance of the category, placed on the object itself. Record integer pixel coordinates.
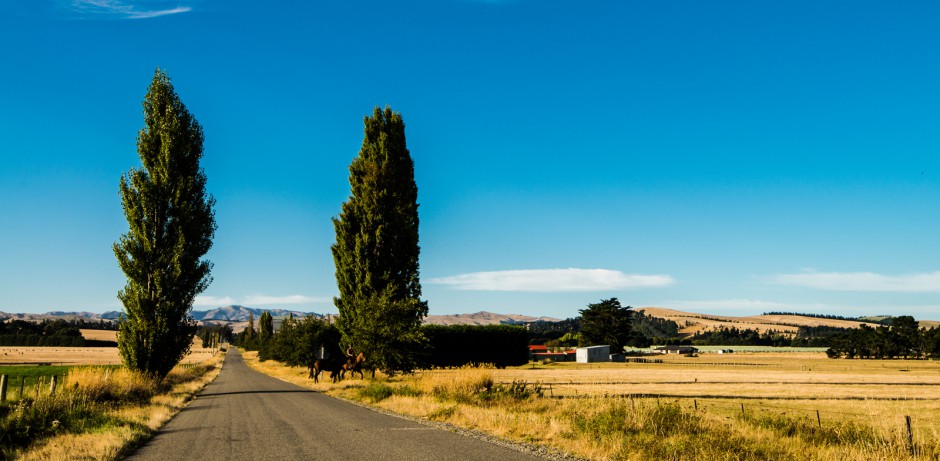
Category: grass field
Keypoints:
(736, 406)
(83, 355)
(99, 335)
(798, 384)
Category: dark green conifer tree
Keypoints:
(376, 250)
(606, 322)
(265, 327)
(171, 225)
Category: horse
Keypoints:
(354, 366)
(335, 367)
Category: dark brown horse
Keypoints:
(354, 365)
(335, 367)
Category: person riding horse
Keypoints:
(353, 364)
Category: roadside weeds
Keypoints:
(119, 414)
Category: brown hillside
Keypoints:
(928, 323)
(482, 318)
(691, 323)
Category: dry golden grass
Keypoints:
(99, 335)
(137, 422)
(706, 392)
(83, 355)
(846, 389)
(117, 384)
(60, 355)
(929, 324)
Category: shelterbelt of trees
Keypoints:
(59, 333)
(903, 339)
(298, 342)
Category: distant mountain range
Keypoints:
(225, 314)
(240, 314)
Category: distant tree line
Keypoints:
(818, 336)
(209, 331)
(883, 321)
(59, 332)
(903, 339)
(815, 316)
(298, 342)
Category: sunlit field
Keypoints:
(99, 335)
(83, 355)
(734, 406)
(798, 383)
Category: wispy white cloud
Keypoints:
(213, 301)
(926, 282)
(127, 10)
(553, 280)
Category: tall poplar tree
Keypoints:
(376, 250)
(171, 225)
(265, 327)
(250, 329)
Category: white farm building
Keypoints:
(593, 354)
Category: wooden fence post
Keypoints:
(910, 434)
(818, 419)
(696, 404)
(3, 388)
(742, 410)
(52, 384)
(22, 386)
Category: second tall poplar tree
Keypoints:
(376, 250)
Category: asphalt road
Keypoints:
(246, 415)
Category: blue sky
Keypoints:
(723, 157)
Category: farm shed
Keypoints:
(676, 350)
(593, 354)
